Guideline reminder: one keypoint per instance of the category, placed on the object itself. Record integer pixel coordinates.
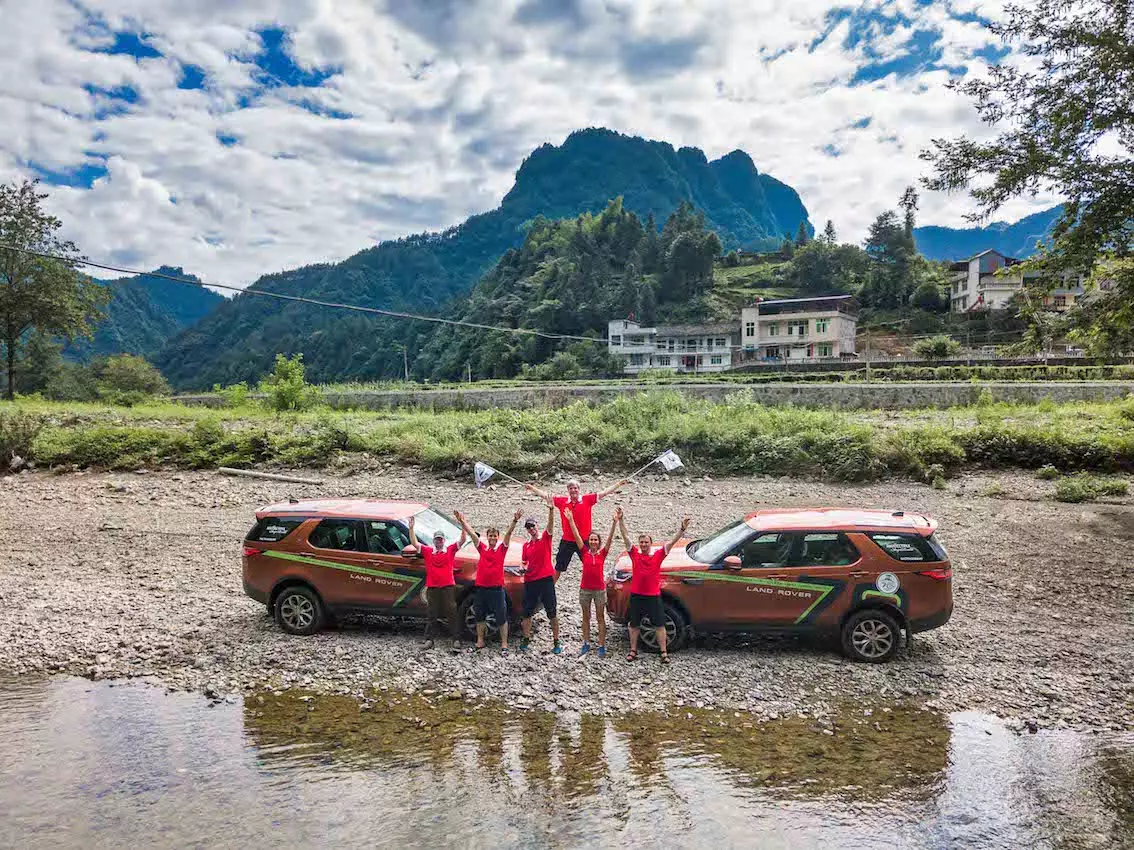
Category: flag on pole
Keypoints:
(670, 460)
(481, 473)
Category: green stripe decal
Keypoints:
(877, 594)
(412, 590)
(822, 589)
(317, 562)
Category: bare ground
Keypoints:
(111, 575)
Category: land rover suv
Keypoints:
(863, 576)
(312, 561)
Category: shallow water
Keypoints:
(102, 765)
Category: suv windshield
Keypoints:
(429, 521)
(711, 549)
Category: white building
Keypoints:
(679, 348)
(790, 329)
(799, 329)
(979, 285)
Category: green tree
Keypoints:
(286, 387)
(41, 364)
(45, 294)
(732, 259)
(829, 233)
(908, 205)
(821, 268)
(801, 235)
(787, 247)
(127, 379)
(937, 347)
(892, 251)
(1065, 126)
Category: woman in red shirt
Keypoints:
(440, 586)
(645, 586)
(489, 590)
(592, 585)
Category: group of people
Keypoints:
(578, 539)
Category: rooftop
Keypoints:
(845, 519)
(360, 508)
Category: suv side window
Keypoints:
(765, 551)
(343, 534)
(386, 538)
(911, 548)
(273, 529)
(823, 549)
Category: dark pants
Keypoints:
(540, 592)
(441, 602)
(567, 550)
(489, 601)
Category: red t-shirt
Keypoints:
(537, 555)
(593, 575)
(646, 580)
(439, 565)
(582, 512)
(490, 567)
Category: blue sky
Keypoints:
(235, 139)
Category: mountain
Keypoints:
(1015, 240)
(430, 272)
(144, 313)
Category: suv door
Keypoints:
(352, 575)
(386, 540)
(814, 576)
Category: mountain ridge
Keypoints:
(1015, 239)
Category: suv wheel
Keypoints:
(299, 610)
(871, 635)
(466, 616)
(676, 630)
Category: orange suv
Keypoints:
(310, 561)
(864, 576)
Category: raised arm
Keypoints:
(613, 522)
(613, 488)
(531, 488)
(413, 536)
(570, 514)
(622, 529)
(462, 539)
(466, 528)
(511, 528)
(676, 537)
(550, 518)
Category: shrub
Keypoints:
(286, 389)
(994, 490)
(1047, 472)
(937, 347)
(18, 431)
(234, 395)
(1087, 488)
(985, 398)
(127, 379)
(938, 482)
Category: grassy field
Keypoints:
(737, 437)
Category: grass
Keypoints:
(1087, 488)
(736, 437)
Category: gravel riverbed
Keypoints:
(138, 575)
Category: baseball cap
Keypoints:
(439, 535)
(530, 522)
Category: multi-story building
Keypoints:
(791, 329)
(980, 284)
(799, 329)
(680, 348)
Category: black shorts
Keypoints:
(542, 590)
(647, 609)
(489, 602)
(567, 550)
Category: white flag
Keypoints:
(482, 472)
(670, 461)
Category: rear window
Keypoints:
(273, 529)
(910, 548)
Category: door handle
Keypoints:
(692, 581)
(858, 574)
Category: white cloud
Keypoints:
(445, 98)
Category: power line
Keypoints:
(300, 299)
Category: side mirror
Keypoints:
(732, 562)
(409, 552)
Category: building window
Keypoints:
(616, 340)
(672, 344)
(709, 343)
(1060, 301)
(773, 329)
(798, 328)
(715, 360)
(663, 360)
(750, 329)
(722, 343)
(824, 350)
(636, 359)
(773, 352)
(810, 351)
(821, 325)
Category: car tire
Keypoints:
(299, 610)
(466, 617)
(676, 629)
(871, 635)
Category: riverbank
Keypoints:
(138, 575)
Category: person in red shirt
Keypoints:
(440, 586)
(581, 506)
(539, 579)
(592, 585)
(489, 600)
(645, 587)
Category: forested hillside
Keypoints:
(429, 273)
(1017, 239)
(144, 313)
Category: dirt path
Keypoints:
(110, 575)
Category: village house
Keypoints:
(679, 348)
(979, 284)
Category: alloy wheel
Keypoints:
(872, 638)
(297, 612)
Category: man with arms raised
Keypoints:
(581, 506)
(489, 590)
(440, 586)
(645, 586)
(539, 579)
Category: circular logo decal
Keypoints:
(887, 583)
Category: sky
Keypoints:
(238, 139)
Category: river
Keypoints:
(114, 765)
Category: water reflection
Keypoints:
(91, 765)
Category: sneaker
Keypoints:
(524, 645)
(557, 648)
(584, 649)
(456, 646)
(602, 652)
(503, 650)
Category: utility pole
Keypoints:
(468, 372)
(405, 362)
